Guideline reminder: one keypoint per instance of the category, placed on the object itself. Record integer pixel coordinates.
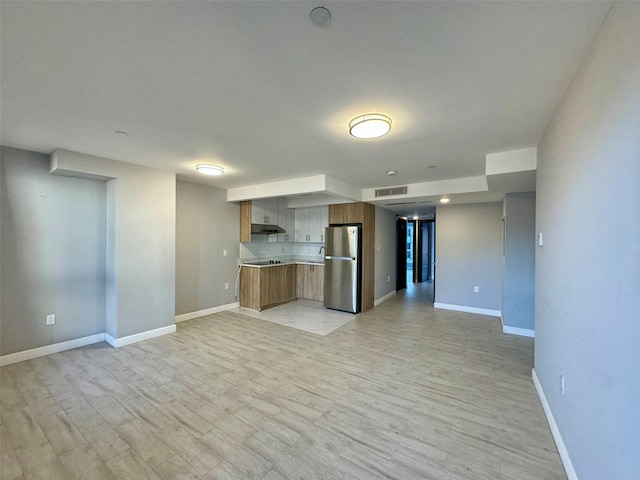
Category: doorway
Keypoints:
(411, 232)
(401, 253)
(425, 250)
(416, 254)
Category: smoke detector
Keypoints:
(320, 16)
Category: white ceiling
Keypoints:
(257, 88)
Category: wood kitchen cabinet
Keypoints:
(310, 283)
(261, 288)
(365, 215)
(245, 221)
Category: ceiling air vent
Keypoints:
(400, 203)
(386, 192)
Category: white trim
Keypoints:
(523, 332)
(462, 308)
(207, 311)
(383, 298)
(138, 337)
(49, 349)
(557, 437)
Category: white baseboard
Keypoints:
(462, 308)
(208, 311)
(557, 437)
(138, 337)
(49, 349)
(523, 332)
(383, 298)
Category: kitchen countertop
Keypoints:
(291, 262)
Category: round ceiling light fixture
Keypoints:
(370, 125)
(392, 172)
(206, 169)
(416, 217)
(445, 200)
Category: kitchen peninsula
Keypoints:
(271, 284)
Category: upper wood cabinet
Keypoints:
(245, 221)
(343, 213)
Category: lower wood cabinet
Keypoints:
(265, 287)
(261, 288)
(310, 282)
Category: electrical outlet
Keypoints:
(224, 253)
(226, 286)
(562, 383)
(51, 319)
(540, 239)
(476, 289)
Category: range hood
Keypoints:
(260, 229)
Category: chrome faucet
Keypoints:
(321, 249)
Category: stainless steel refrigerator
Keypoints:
(342, 268)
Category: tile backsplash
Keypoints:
(261, 249)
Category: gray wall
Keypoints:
(141, 237)
(518, 275)
(53, 250)
(588, 271)
(468, 253)
(385, 264)
(206, 225)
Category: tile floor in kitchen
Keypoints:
(307, 315)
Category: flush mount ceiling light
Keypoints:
(392, 172)
(370, 125)
(209, 169)
(416, 217)
(445, 200)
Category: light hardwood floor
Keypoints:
(401, 392)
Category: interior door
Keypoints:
(401, 253)
(430, 246)
(424, 250)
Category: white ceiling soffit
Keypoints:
(258, 89)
